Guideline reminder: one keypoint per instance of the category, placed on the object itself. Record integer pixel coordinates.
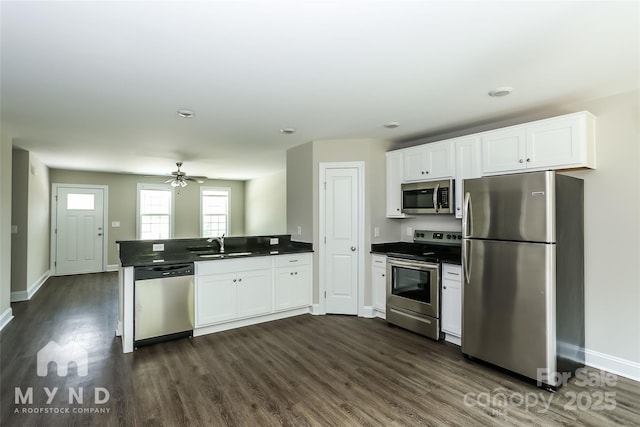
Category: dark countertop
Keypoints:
(447, 254)
(140, 253)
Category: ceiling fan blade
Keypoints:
(193, 179)
(169, 180)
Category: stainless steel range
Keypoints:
(413, 280)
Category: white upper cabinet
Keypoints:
(468, 165)
(394, 182)
(563, 142)
(429, 161)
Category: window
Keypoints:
(214, 204)
(155, 211)
(80, 202)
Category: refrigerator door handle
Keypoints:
(435, 198)
(466, 261)
(466, 215)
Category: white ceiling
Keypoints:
(96, 85)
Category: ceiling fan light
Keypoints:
(183, 183)
(175, 183)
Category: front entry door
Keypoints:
(341, 224)
(79, 230)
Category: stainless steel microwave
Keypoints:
(431, 197)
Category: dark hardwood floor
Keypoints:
(306, 370)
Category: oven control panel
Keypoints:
(439, 237)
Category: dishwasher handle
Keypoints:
(161, 271)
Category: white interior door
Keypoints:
(79, 230)
(341, 224)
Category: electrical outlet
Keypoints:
(299, 230)
(376, 231)
(274, 241)
(157, 247)
(410, 231)
(115, 224)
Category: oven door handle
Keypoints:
(435, 198)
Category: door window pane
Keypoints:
(81, 202)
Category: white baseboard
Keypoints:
(316, 310)
(615, 365)
(204, 330)
(367, 311)
(113, 267)
(31, 291)
(6, 317)
(453, 339)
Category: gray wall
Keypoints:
(266, 205)
(123, 197)
(19, 219)
(5, 223)
(30, 213)
(303, 168)
(300, 203)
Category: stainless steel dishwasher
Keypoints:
(164, 301)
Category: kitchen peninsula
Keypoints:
(225, 283)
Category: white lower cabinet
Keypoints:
(254, 293)
(452, 302)
(216, 298)
(292, 286)
(233, 289)
(379, 283)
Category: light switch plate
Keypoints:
(376, 231)
(410, 231)
(157, 247)
(115, 224)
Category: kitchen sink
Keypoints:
(232, 254)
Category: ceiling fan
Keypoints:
(180, 178)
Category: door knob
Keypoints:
(353, 248)
(99, 234)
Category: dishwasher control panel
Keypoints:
(160, 271)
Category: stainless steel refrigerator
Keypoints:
(523, 268)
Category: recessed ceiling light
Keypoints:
(287, 131)
(500, 91)
(186, 114)
(391, 125)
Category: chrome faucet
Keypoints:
(220, 241)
